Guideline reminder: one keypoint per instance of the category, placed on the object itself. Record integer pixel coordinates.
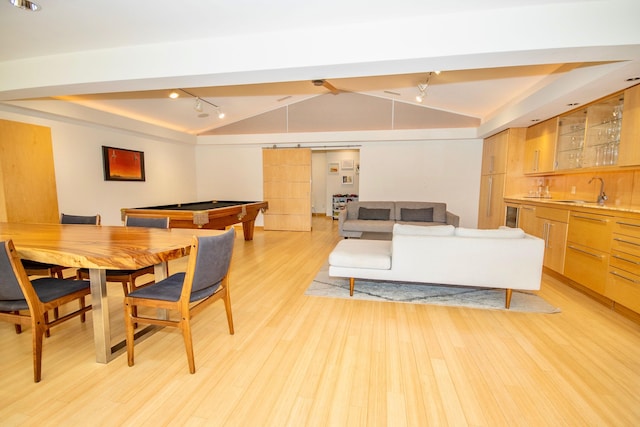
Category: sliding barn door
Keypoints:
(287, 188)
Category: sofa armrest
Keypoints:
(342, 217)
(453, 219)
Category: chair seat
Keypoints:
(47, 289)
(170, 289)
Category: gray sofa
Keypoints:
(379, 217)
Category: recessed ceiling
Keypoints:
(257, 60)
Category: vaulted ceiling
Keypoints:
(504, 63)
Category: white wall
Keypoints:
(318, 181)
(228, 172)
(436, 170)
(446, 171)
(82, 190)
(439, 171)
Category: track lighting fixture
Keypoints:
(422, 87)
(26, 5)
(198, 103)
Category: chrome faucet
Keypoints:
(601, 196)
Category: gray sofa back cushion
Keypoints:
(439, 210)
(416, 215)
(375, 214)
(353, 208)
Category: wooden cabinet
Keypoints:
(540, 147)
(491, 206)
(588, 246)
(528, 221)
(27, 177)
(553, 224)
(629, 150)
(494, 153)
(495, 171)
(550, 224)
(623, 282)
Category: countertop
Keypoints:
(566, 202)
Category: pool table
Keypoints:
(216, 214)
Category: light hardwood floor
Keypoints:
(298, 360)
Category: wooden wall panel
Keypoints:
(27, 182)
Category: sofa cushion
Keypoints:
(368, 225)
(354, 253)
(374, 214)
(419, 230)
(501, 233)
(416, 215)
(353, 208)
(439, 209)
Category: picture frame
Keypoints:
(121, 164)
(347, 179)
(334, 168)
(347, 164)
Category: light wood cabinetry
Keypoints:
(623, 285)
(494, 153)
(528, 221)
(550, 224)
(554, 233)
(540, 147)
(588, 247)
(590, 136)
(27, 177)
(491, 207)
(629, 150)
(495, 171)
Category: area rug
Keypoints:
(455, 296)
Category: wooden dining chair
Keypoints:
(35, 268)
(128, 277)
(185, 294)
(18, 295)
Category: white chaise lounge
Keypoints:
(504, 258)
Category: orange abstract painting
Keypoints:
(123, 165)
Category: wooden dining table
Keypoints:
(100, 248)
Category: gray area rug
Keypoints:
(456, 296)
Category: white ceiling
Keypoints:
(504, 62)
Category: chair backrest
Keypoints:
(153, 222)
(212, 261)
(80, 219)
(10, 289)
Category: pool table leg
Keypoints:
(247, 229)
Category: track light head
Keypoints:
(198, 105)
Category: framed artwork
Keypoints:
(122, 165)
(347, 164)
(334, 167)
(347, 179)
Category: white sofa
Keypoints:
(505, 258)
(379, 217)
